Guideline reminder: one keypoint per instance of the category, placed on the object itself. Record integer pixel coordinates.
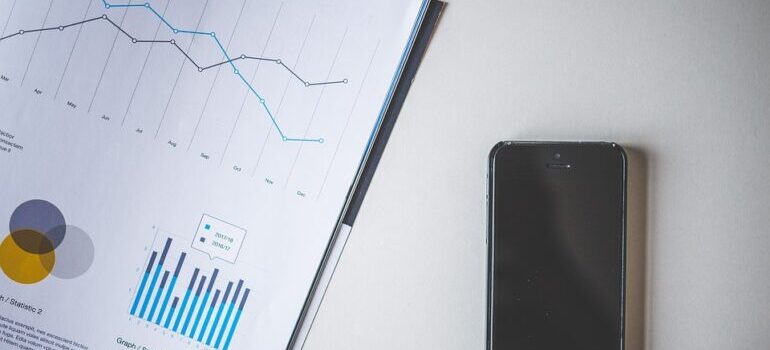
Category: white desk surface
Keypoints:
(684, 84)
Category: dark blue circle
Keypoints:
(41, 216)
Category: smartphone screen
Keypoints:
(556, 246)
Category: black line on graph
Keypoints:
(186, 55)
(120, 29)
(200, 68)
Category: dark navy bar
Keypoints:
(243, 301)
(194, 277)
(213, 278)
(200, 286)
(165, 251)
(152, 261)
(164, 279)
(179, 264)
(237, 291)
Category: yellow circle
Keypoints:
(22, 266)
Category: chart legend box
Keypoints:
(218, 238)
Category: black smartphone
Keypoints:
(556, 246)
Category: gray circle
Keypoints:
(75, 254)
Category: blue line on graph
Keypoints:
(236, 71)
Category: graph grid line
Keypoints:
(229, 59)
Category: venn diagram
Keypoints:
(40, 243)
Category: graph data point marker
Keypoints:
(321, 140)
(262, 100)
(133, 41)
(176, 31)
(213, 34)
(106, 6)
(243, 56)
(21, 32)
(200, 69)
(172, 41)
(61, 28)
(307, 84)
(146, 4)
(278, 61)
(236, 72)
(104, 16)
(345, 81)
(284, 138)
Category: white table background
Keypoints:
(684, 84)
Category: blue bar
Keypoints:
(228, 314)
(192, 307)
(170, 288)
(157, 296)
(219, 313)
(165, 302)
(155, 278)
(171, 313)
(204, 303)
(208, 316)
(237, 318)
(144, 281)
(186, 297)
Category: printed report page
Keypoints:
(173, 170)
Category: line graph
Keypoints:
(122, 70)
(229, 59)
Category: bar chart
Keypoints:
(205, 308)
